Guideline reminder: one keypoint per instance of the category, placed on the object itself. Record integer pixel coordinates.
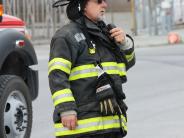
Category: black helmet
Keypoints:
(59, 3)
(74, 9)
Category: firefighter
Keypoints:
(87, 67)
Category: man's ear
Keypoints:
(84, 9)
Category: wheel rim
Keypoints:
(15, 115)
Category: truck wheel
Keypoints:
(15, 108)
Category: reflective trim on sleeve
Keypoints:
(130, 57)
(92, 124)
(84, 71)
(60, 64)
(62, 96)
(114, 68)
(122, 69)
(111, 69)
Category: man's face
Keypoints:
(95, 9)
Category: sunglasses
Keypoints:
(100, 1)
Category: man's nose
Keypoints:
(104, 3)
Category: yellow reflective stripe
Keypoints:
(121, 65)
(89, 129)
(125, 127)
(112, 71)
(57, 67)
(114, 68)
(109, 64)
(122, 73)
(80, 76)
(60, 60)
(122, 69)
(130, 57)
(110, 67)
(92, 124)
(86, 71)
(63, 100)
(62, 96)
(59, 64)
(60, 92)
(95, 119)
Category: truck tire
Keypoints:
(15, 108)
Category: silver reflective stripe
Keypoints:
(68, 95)
(105, 87)
(106, 68)
(79, 37)
(122, 69)
(82, 72)
(80, 126)
(59, 64)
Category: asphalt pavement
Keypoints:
(155, 93)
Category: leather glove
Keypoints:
(105, 95)
(109, 106)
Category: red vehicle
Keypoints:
(18, 81)
(13, 23)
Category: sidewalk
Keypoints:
(147, 41)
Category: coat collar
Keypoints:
(89, 24)
(93, 29)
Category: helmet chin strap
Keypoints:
(79, 6)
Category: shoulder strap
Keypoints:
(88, 41)
(86, 34)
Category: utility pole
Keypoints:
(150, 17)
(133, 10)
(154, 14)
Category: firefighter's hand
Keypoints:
(69, 121)
(118, 35)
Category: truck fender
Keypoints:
(8, 39)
